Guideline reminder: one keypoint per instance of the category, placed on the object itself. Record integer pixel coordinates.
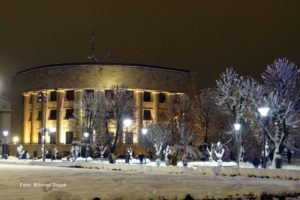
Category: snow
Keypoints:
(135, 181)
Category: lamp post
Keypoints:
(15, 141)
(86, 135)
(144, 132)
(44, 130)
(237, 127)
(5, 134)
(127, 123)
(51, 131)
(263, 111)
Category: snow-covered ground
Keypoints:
(27, 181)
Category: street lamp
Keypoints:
(5, 134)
(127, 122)
(15, 140)
(263, 111)
(144, 132)
(86, 135)
(237, 127)
(44, 130)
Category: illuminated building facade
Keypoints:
(65, 86)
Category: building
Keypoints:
(5, 112)
(65, 85)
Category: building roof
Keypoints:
(95, 63)
(4, 104)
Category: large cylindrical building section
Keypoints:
(65, 86)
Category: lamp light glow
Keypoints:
(144, 131)
(263, 111)
(127, 122)
(237, 126)
(5, 133)
(52, 130)
(86, 134)
(15, 139)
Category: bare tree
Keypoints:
(159, 134)
(283, 97)
(186, 138)
(180, 109)
(119, 106)
(93, 108)
(205, 109)
(237, 95)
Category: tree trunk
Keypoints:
(116, 136)
(275, 156)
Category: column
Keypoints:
(59, 117)
(139, 114)
(45, 112)
(26, 113)
(34, 114)
(78, 96)
(155, 106)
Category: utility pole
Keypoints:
(42, 98)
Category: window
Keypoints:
(69, 137)
(109, 94)
(176, 98)
(70, 95)
(89, 92)
(52, 138)
(53, 96)
(69, 113)
(147, 96)
(53, 114)
(162, 97)
(35, 154)
(129, 94)
(30, 113)
(147, 115)
(40, 115)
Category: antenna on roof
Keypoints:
(93, 58)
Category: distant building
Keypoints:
(5, 112)
(65, 85)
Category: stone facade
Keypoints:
(75, 79)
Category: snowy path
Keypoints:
(89, 183)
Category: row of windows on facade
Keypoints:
(69, 95)
(69, 115)
(70, 138)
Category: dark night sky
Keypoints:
(202, 36)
